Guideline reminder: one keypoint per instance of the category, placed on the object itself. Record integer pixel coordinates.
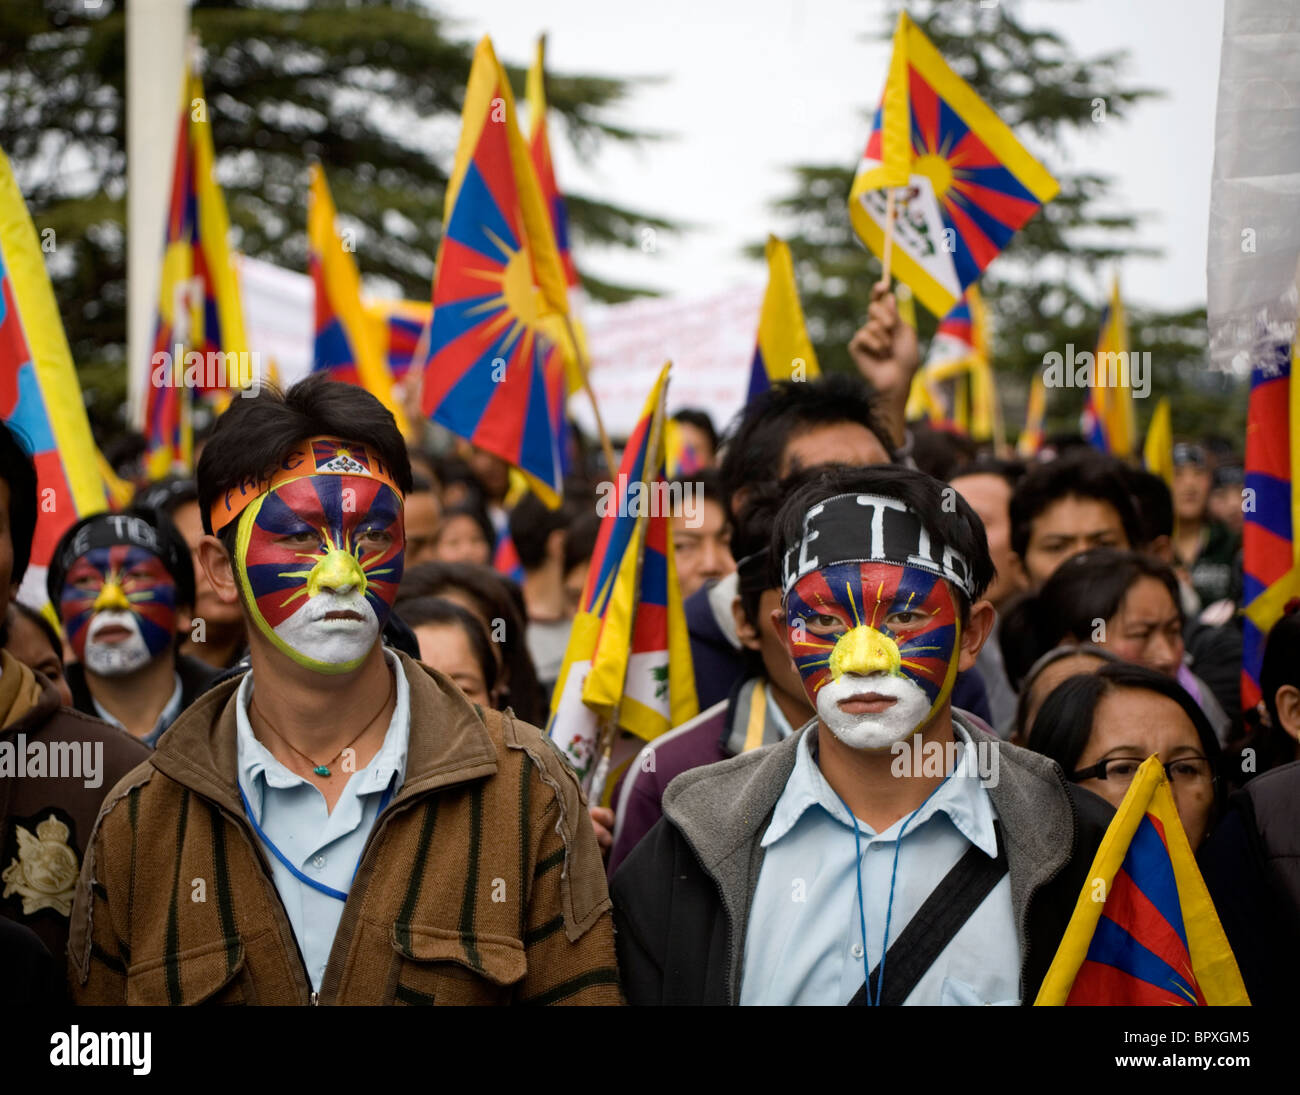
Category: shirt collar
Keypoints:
(254, 759)
(166, 717)
(962, 798)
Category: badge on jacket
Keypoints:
(44, 873)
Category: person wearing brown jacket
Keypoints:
(56, 765)
(291, 841)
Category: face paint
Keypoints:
(118, 609)
(880, 630)
(320, 559)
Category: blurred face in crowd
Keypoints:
(460, 540)
(838, 443)
(1225, 506)
(421, 515)
(1191, 491)
(1148, 628)
(574, 581)
(1130, 725)
(207, 605)
(1068, 526)
(702, 554)
(490, 470)
(1075, 665)
(764, 635)
(990, 497)
(118, 608)
(31, 646)
(447, 648)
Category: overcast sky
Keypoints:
(752, 86)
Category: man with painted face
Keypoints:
(889, 852)
(123, 584)
(362, 833)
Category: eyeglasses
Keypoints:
(1194, 771)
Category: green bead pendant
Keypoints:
(321, 770)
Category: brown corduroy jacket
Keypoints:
(481, 882)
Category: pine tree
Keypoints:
(1048, 288)
(371, 88)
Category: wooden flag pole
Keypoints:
(591, 395)
(888, 248)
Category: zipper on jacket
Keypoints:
(314, 999)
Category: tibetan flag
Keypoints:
(1032, 436)
(628, 663)
(40, 397)
(783, 348)
(1144, 931)
(395, 327)
(1108, 420)
(199, 344)
(498, 279)
(343, 345)
(957, 372)
(963, 183)
(1158, 449)
(539, 148)
(681, 458)
(1270, 564)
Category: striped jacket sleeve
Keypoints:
(568, 932)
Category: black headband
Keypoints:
(871, 528)
(117, 529)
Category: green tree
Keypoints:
(371, 88)
(1048, 287)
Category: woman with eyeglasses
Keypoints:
(1100, 728)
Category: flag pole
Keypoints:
(591, 395)
(888, 248)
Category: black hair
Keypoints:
(580, 542)
(17, 608)
(438, 610)
(476, 513)
(256, 433)
(497, 598)
(167, 495)
(1281, 663)
(1009, 471)
(939, 452)
(1153, 502)
(700, 419)
(1056, 654)
(1065, 720)
(944, 513)
(18, 470)
(1085, 475)
(757, 439)
(531, 525)
(751, 544)
(1085, 588)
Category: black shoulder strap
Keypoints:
(937, 922)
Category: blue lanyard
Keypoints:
(328, 891)
(893, 879)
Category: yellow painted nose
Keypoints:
(865, 650)
(111, 596)
(338, 570)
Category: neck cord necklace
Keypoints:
(893, 879)
(323, 770)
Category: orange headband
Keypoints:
(315, 456)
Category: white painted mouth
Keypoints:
(872, 729)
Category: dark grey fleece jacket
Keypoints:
(683, 896)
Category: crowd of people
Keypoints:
(308, 690)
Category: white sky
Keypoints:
(752, 86)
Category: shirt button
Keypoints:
(318, 862)
(856, 950)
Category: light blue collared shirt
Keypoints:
(168, 715)
(325, 846)
(804, 941)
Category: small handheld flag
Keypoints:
(498, 276)
(628, 663)
(343, 344)
(40, 396)
(783, 348)
(1032, 436)
(1144, 930)
(1158, 449)
(1109, 423)
(961, 182)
